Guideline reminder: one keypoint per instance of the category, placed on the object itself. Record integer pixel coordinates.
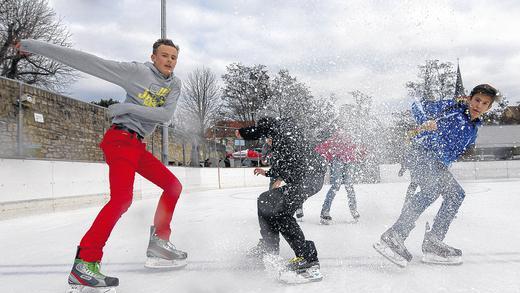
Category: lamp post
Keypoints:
(164, 153)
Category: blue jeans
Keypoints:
(340, 173)
(434, 180)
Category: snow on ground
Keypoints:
(217, 227)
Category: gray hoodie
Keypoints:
(151, 97)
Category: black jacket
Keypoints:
(293, 156)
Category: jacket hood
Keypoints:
(158, 73)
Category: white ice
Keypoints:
(217, 227)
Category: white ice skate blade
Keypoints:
(293, 278)
(161, 263)
(87, 289)
(431, 258)
(389, 254)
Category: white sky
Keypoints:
(332, 46)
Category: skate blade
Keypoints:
(389, 254)
(293, 278)
(87, 289)
(161, 263)
(430, 258)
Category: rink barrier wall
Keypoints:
(37, 186)
(462, 171)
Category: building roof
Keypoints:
(498, 136)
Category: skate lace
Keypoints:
(441, 244)
(295, 260)
(167, 244)
(93, 269)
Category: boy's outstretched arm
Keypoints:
(112, 71)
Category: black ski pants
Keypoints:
(276, 209)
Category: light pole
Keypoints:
(164, 155)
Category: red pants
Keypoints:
(126, 155)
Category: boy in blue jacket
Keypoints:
(447, 128)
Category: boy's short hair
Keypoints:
(486, 90)
(166, 42)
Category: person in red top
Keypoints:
(343, 155)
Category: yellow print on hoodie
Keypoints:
(155, 96)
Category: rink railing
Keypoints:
(36, 186)
(463, 171)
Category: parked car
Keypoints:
(248, 157)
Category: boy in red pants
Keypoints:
(152, 92)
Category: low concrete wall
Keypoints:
(463, 171)
(34, 186)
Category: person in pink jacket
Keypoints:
(343, 154)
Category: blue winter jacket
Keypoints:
(455, 129)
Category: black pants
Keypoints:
(276, 208)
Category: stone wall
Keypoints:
(71, 129)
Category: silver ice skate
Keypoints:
(163, 254)
(325, 218)
(391, 246)
(355, 215)
(437, 252)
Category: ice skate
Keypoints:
(391, 246)
(163, 254)
(299, 215)
(260, 250)
(300, 271)
(355, 215)
(437, 252)
(85, 277)
(325, 218)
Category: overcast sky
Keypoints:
(332, 46)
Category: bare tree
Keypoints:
(32, 19)
(246, 90)
(200, 105)
(201, 99)
(436, 81)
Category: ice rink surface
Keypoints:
(217, 227)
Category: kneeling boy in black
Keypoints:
(294, 162)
